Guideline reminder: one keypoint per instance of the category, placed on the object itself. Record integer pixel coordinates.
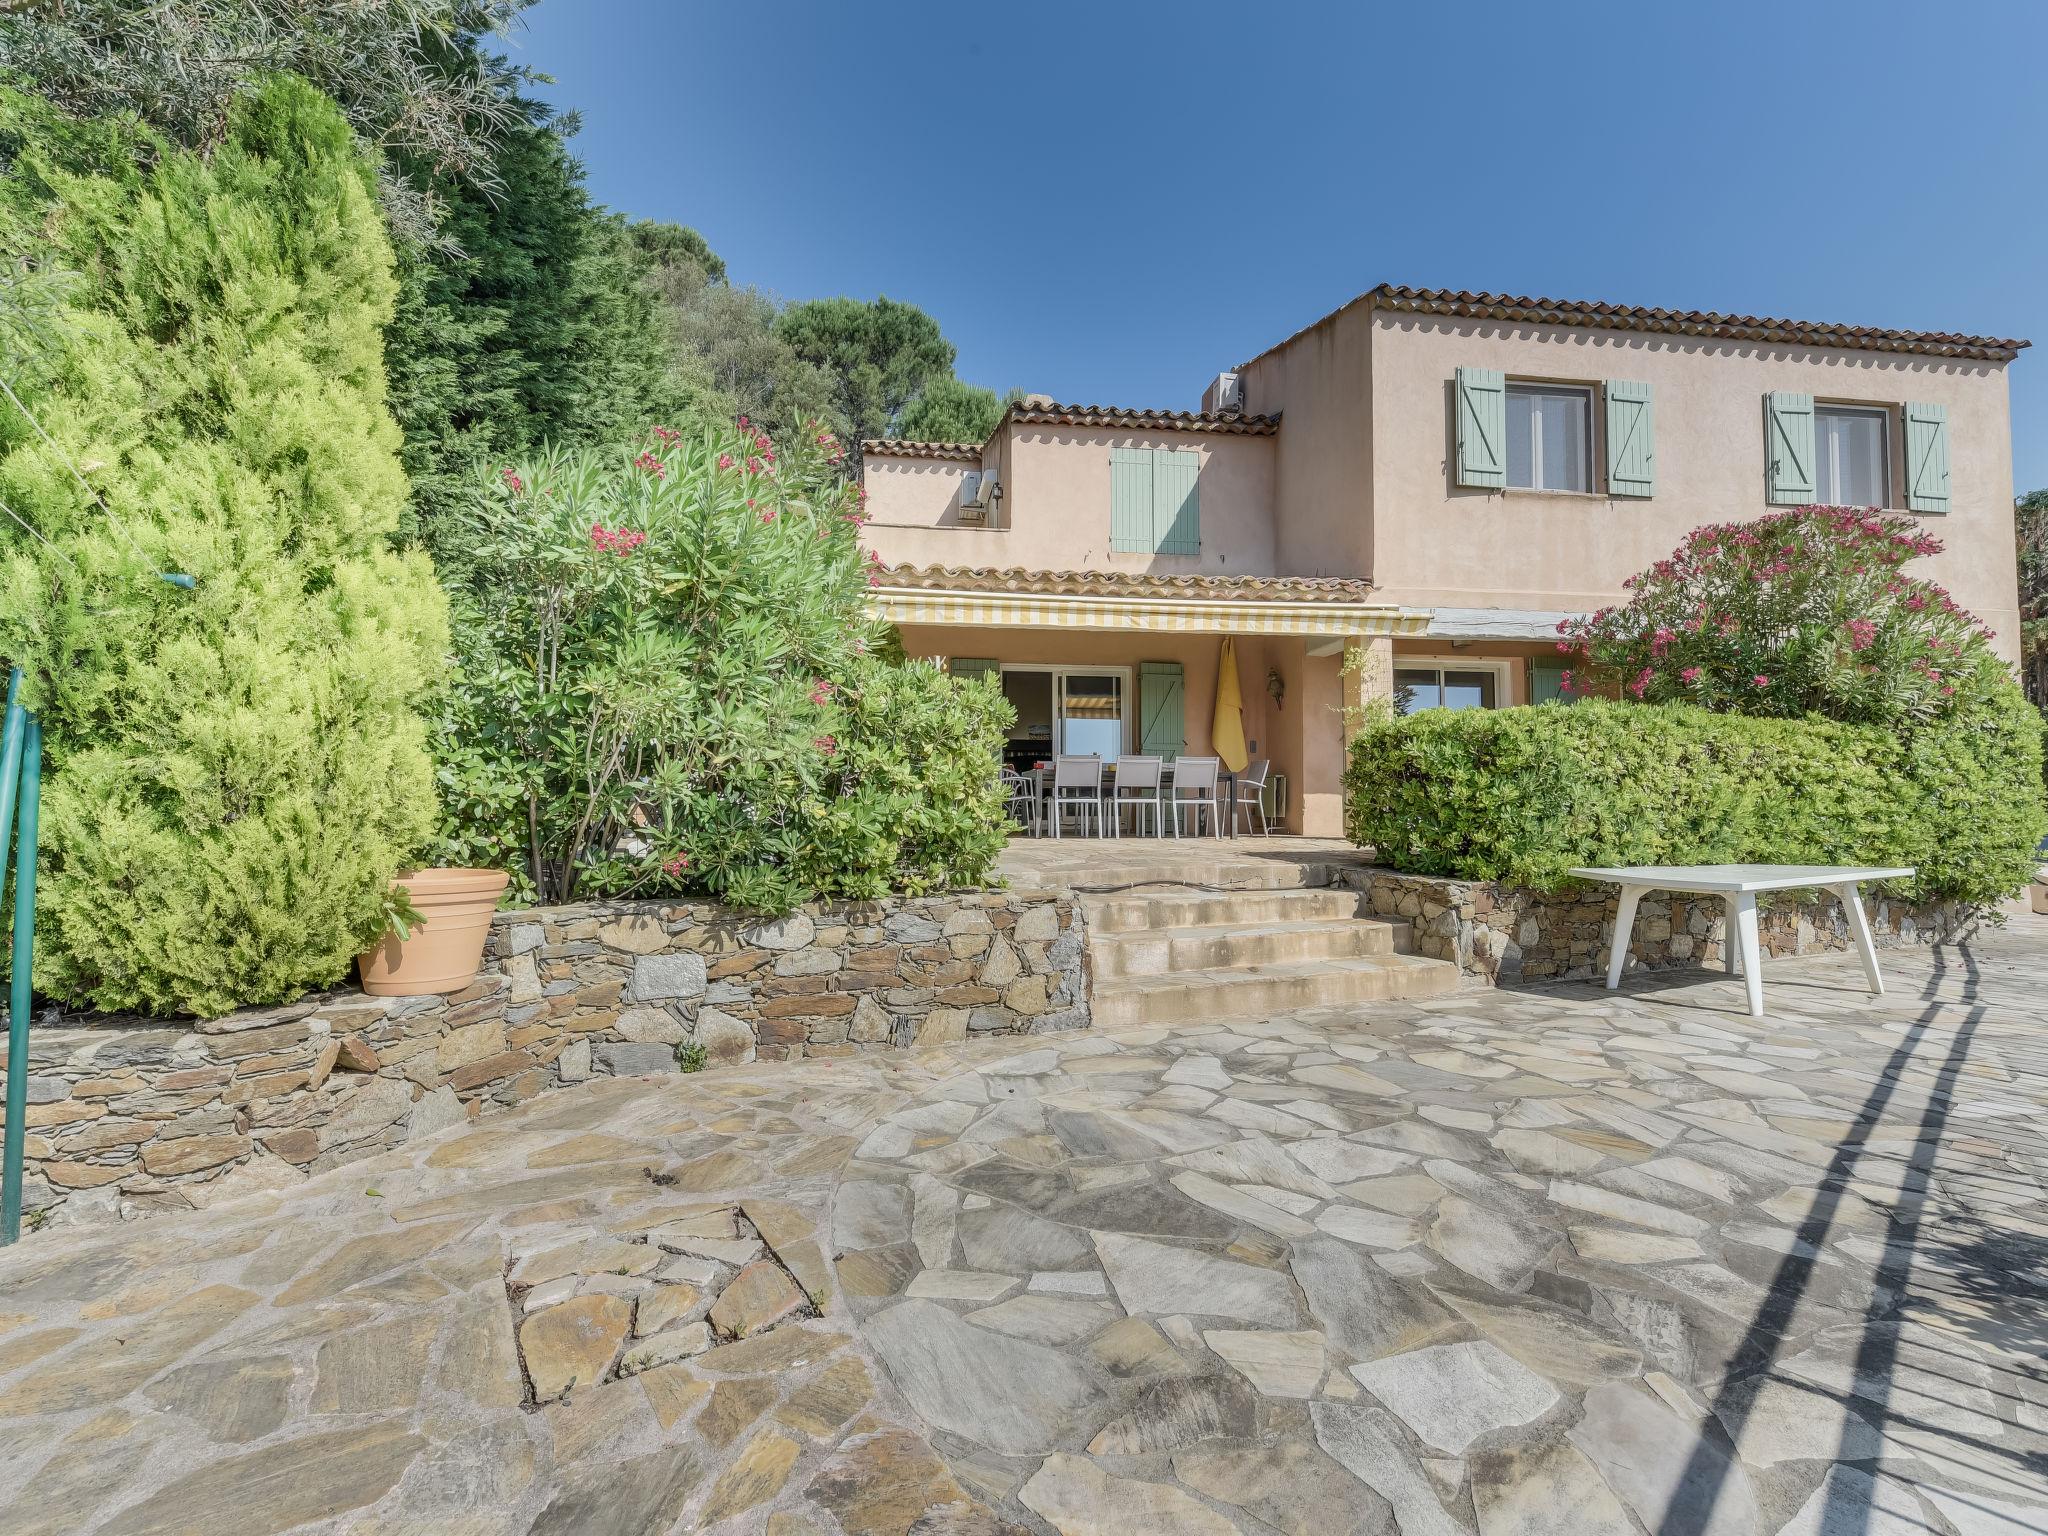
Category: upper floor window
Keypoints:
(1850, 455)
(1550, 437)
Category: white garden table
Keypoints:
(1738, 886)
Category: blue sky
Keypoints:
(1105, 206)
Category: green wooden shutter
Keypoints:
(1176, 501)
(1162, 718)
(1546, 686)
(1631, 439)
(1788, 448)
(1926, 457)
(1130, 500)
(1482, 427)
(969, 666)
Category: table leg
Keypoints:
(1624, 930)
(1752, 967)
(1731, 942)
(1859, 930)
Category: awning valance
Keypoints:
(1145, 615)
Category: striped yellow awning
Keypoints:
(1145, 615)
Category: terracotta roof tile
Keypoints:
(1623, 317)
(905, 448)
(1143, 421)
(960, 578)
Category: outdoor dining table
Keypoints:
(1738, 886)
(1226, 787)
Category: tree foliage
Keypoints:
(408, 74)
(234, 771)
(539, 327)
(669, 685)
(2031, 518)
(880, 356)
(950, 411)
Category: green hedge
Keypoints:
(1523, 795)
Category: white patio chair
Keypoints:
(1249, 794)
(1194, 789)
(1076, 787)
(1137, 787)
(1021, 798)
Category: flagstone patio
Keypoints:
(1513, 1263)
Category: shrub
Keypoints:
(234, 771)
(1524, 795)
(668, 684)
(1807, 611)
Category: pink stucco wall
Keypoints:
(1321, 385)
(1054, 511)
(1436, 543)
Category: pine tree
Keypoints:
(235, 770)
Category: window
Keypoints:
(1850, 454)
(1061, 709)
(1550, 437)
(1433, 687)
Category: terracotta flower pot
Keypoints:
(447, 943)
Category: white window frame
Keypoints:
(1884, 447)
(1501, 668)
(1552, 387)
(1059, 671)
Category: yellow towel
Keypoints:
(1227, 733)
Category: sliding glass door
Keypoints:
(1092, 713)
(1066, 710)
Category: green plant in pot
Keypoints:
(436, 921)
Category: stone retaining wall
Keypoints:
(1499, 934)
(127, 1116)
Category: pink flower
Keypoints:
(767, 516)
(674, 867)
(1861, 633)
(1761, 681)
(1916, 602)
(1641, 684)
(512, 481)
(1690, 675)
(725, 461)
(821, 691)
(829, 745)
(761, 442)
(667, 434)
(743, 423)
(753, 466)
(651, 464)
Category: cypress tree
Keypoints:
(234, 770)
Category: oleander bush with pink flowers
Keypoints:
(1810, 611)
(667, 684)
(1780, 691)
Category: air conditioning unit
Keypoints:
(977, 491)
(1273, 799)
(1224, 396)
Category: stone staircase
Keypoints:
(1277, 939)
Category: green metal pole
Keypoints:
(29, 804)
(17, 1056)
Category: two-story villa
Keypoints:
(1430, 480)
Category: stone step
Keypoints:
(1158, 952)
(1184, 907)
(1109, 869)
(1267, 991)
